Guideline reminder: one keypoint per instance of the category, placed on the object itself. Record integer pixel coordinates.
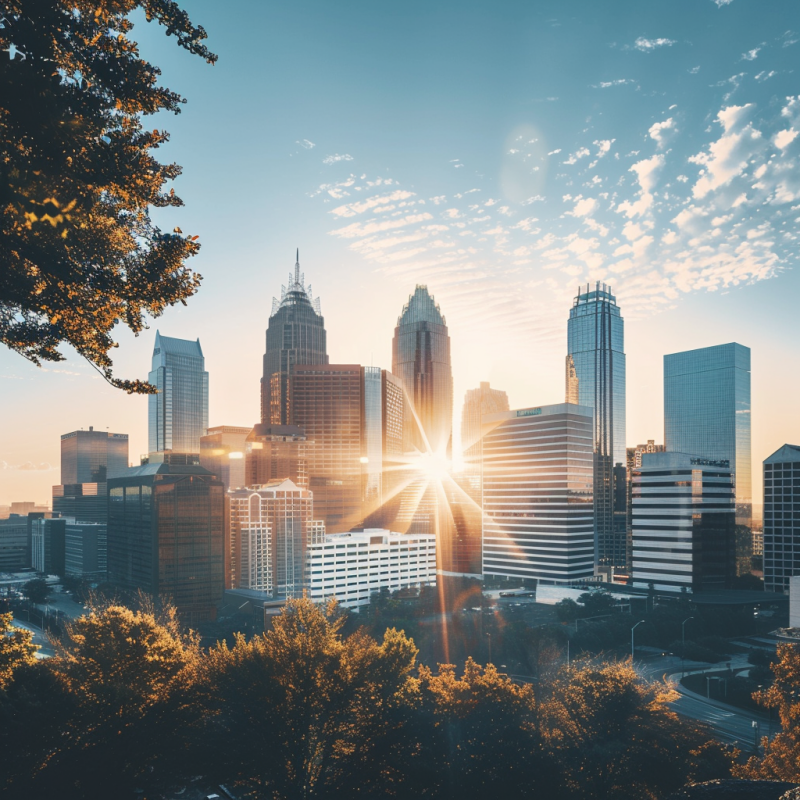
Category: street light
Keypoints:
(632, 630)
(755, 734)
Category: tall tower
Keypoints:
(178, 414)
(295, 335)
(421, 359)
(478, 403)
(596, 349)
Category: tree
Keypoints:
(303, 711)
(16, 648)
(130, 677)
(77, 178)
(781, 759)
(36, 590)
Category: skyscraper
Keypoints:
(781, 518)
(478, 403)
(596, 350)
(295, 335)
(178, 413)
(537, 493)
(707, 411)
(276, 453)
(166, 532)
(421, 359)
(88, 459)
(683, 520)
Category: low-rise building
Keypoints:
(351, 566)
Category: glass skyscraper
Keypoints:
(707, 411)
(421, 359)
(478, 403)
(596, 362)
(295, 335)
(781, 518)
(178, 413)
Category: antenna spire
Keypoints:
(297, 267)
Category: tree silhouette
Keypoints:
(78, 249)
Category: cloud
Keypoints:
(553, 152)
(783, 139)
(353, 209)
(577, 155)
(648, 45)
(357, 229)
(305, 143)
(603, 146)
(765, 76)
(609, 84)
(750, 55)
(584, 206)
(337, 157)
(646, 173)
(658, 131)
(27, 466)
(720, 3)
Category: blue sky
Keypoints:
(500, 153)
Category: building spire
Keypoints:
(297, 268)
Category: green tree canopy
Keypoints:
(78, 176)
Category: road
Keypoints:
(39, 637)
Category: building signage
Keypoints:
(707, 462)
(529, 412)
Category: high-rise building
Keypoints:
(421, 359)
(48, 545)
(478, 403)
(596, 350)
(371, 440)
(683, 523)
(781, 518)
(327, 402)
(222, 451)
(537, 493)
(88, 459)
(295, 335)
(166, 535)
(178, 413)
(707, 411)
(634, 454)
(85, 549)
(571, 392)
(276, 453)
(270, 530)
(14, 544)
(352, 566)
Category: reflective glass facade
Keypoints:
(596, 363)
(91, 456)
(222, 451)
(372, 434)
(478, 403)
(178, 413)
(537, 493)
(295, 335)
(707, 411)
(166, 532)
(421, 359)
(781, 518)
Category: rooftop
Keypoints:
(296, 292)
(789, 452)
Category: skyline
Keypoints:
(395, 127)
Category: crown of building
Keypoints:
(296, 291)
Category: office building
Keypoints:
(683, 523)
(222, 451)
(537, 493)
(596, 367)
(707, 411)
(295, 335)
(14, 543)
(24, 507)
(353, 566)
(48, 545)
(85, 550)
(571, 388)
(421, 359)
(634, 454)
(270, 529)
(166, 536)
(794, 601)
(88, 459)
(276, 453)
(478, 403)
(178, 413)
(781, 538)
(371, 440)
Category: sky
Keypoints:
(500, 153)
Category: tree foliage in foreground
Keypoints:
(78, 249)
(16, 649)
(133, 707)
(781, 754)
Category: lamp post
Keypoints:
(755, 734)
(632, 630)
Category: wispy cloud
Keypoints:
(306, 144)
(750, 55)
(27, 466)
(648, 45)
(337, 157)
(618, 82)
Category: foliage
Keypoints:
(781, 758)
(78, 176)
(16, 648)
(36, 590)
(302, 711)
